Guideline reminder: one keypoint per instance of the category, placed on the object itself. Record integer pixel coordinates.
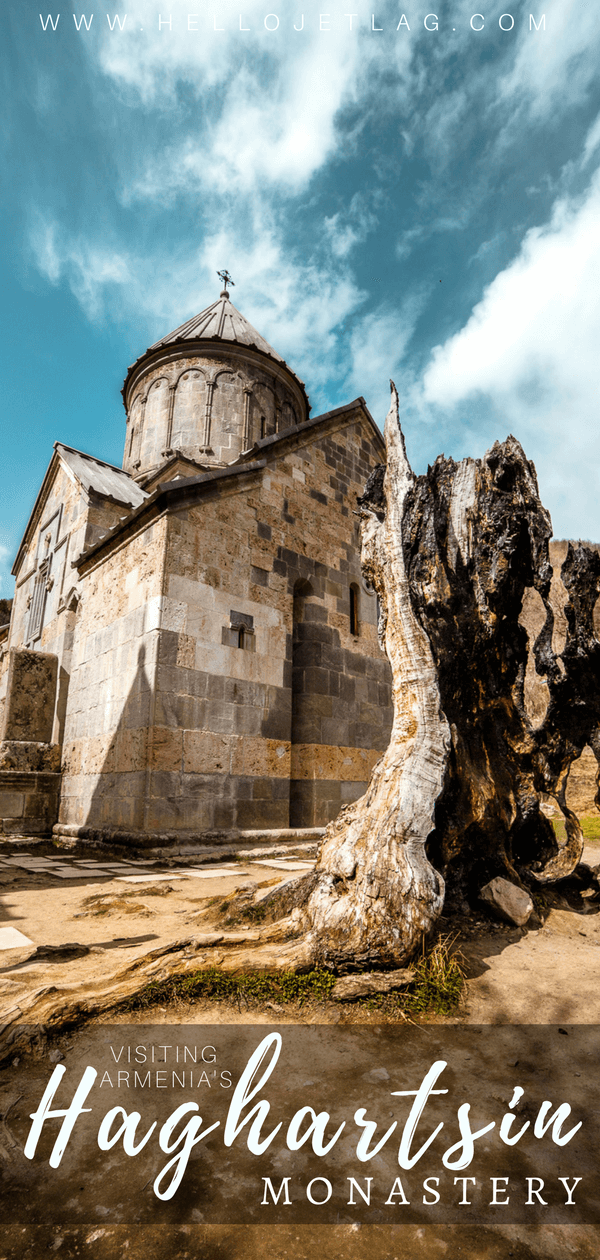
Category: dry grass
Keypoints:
(590, 827)
(440, 980)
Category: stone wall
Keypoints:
(29, 762)
(67, 519)
(208, 404)
(233, 743)
(183, 682)
(110, 710)
(30, 696)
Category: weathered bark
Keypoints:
(455, 800)
(377, 893)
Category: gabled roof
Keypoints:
(186, 467)
(102, 478)
(93, 475)
(249, 465)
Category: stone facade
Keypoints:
(216, 647)
(29, 762)
(236, 694)
(208, 406)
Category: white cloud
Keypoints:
(592, 141)
(298, 306)
(378, 348)
(529, 354)
(555, 66)
(90, 269)
(349, 228)
(6, 581)
(407, 241)
(267, 102)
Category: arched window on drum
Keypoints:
(288, 416)
(354, 610)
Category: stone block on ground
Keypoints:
(507, 901)
(371, 982)
(30, 696)
(11, 938)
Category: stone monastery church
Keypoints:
(192, 649)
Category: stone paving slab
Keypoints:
(146, 879)
(138, 872)
(210, 873)
(66, 874)
(279, 864)
(11, 938)
(26, 861)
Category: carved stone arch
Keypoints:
(227, 407)
(288, 417)
(214, 374)
(187, 370)
(189, 409)
(135, 422)
(262, 411)
(156, 421)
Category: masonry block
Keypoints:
(30, 696)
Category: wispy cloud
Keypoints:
(378, 347)
(350, 227)
(90, 269)
(267, 102)
(6, 581)
(568, 67)
(528, 354)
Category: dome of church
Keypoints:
(207, 391)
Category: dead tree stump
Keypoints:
(455, 800)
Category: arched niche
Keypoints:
(262, 411)
(155, 422)
(134, 432)
(227, 415)
(189, 410)
(288, 416)
(307, 706)
(227, 406)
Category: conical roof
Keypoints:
(220, 322)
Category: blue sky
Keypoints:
(422, 204)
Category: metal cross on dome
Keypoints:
(227, 281)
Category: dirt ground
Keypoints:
(90, 931)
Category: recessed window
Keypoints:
(240, 632)
(354, 622)
(263, 427)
